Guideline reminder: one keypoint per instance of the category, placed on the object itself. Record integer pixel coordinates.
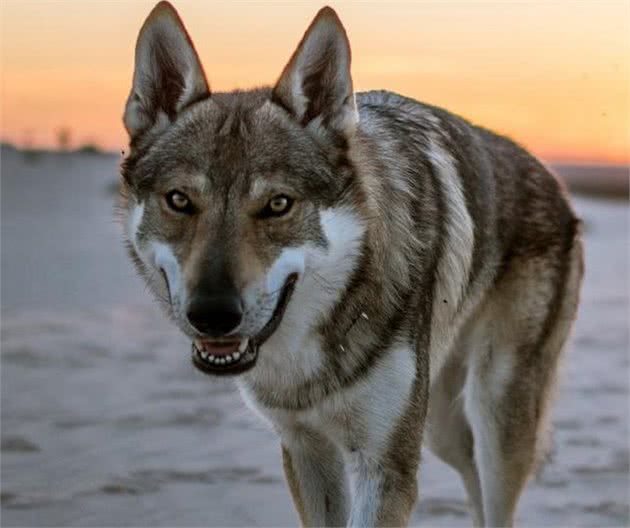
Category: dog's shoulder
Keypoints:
(504, 183)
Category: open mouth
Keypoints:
(231, 356)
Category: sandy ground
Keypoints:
(106, 423)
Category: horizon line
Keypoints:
(98, 149)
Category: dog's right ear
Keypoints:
(168, 75)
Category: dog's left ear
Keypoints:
(168, 75)
(316, 85)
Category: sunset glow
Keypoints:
(555, 76)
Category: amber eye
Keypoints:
(179, 202)
(279, 205)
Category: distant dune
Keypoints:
(87, 148)
(599, 180)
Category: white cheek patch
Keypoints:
(157, 255)
(135, 218)
(146, 254)
(324, 272)
(344, 231)
(165, 260)
(291, 260)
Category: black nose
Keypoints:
(215, 315)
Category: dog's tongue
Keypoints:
(218, 348)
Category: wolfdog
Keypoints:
(375, 270)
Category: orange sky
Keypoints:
(554, 75)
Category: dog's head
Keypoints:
(243, 209)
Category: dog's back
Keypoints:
(503, 184)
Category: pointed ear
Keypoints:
(316, 83)
(168, 75)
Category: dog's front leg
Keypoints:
(314, 470)
(385, 468)
(382, 496)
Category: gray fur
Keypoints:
(449, 323)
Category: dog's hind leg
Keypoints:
(315, 472)
(448, 432)
(517, 338)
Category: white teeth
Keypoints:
(223, 360)
(243, 345)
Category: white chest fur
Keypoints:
(359, 417)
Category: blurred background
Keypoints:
(104, 422)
